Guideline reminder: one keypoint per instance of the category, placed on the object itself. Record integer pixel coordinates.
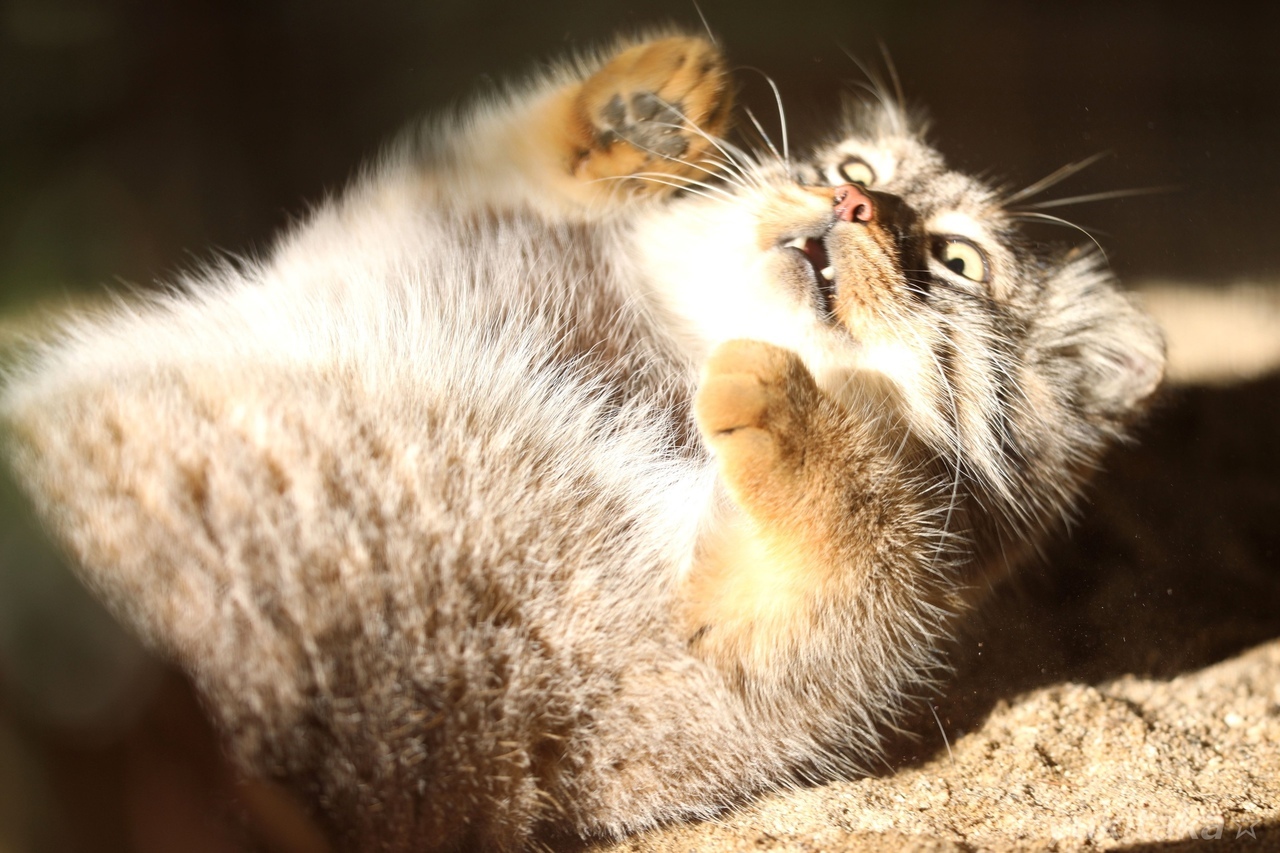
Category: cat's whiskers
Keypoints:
(728, 149)
(1099, 196)
(727, 196)
(727, 169)
(956, 452)
(1052, 179)
(711, 37)
(736, 179)
(731, 168)
(1058, 220)
(782, 116)
(732, 159)
(759, 129)
(678, 184)
(875, 86)
(900, 97)
(723, 169)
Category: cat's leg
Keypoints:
(826, 550)
(596, 134)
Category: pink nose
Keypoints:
(851, 204)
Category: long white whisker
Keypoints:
(876, 86)
(1054, 178)
(944, 732)
(732, 153)
(782, 113)
(723, 169)
(893, 73)
(782, 119)
(726, 171)
(1058, 220)
(710, 35)
(1101, 196)
(731, 166)
(645, 177)
(763, 135)
(684, 181)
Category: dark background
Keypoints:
(138, 138)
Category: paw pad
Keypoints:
(645, 121)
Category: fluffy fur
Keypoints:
(515, 492)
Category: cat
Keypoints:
(576, 470)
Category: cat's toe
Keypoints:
(654, 108)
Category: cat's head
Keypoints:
(910, 293)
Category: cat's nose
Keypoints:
(852, 204)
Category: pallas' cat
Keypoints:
(576, 470)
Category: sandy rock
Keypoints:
(1065, 767)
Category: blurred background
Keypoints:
(140, 137)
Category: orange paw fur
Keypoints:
(749, 595)
(754, 409)
(819, 508)
(650, 109)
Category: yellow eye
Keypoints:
(855, 170)
(962, 258)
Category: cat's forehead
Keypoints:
(906, 166)
(892, 143)
(894, 159)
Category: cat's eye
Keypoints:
(854, 170)
(962, 257)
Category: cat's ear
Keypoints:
(1129, 365)
(1116, 350)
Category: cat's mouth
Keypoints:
(814, 253)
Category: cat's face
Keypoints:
(908, 291)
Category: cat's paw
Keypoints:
(754, 408)
(653, 109)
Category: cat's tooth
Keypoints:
(797, 243)
(829, 273)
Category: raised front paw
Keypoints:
(654, 108)
(755, 407)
